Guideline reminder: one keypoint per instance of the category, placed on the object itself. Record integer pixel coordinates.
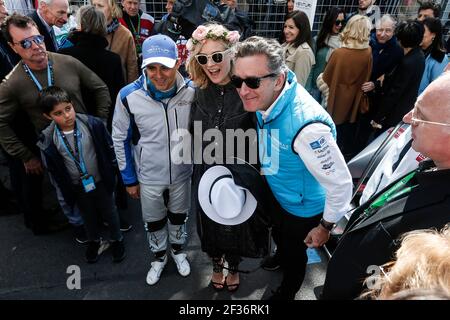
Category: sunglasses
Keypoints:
(216, 57)
(27, 43)
(251, 82)
(339, 22)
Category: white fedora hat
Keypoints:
(222, 200)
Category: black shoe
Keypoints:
(92, 251)
(124, 226)
(271, 263)
(118, 250)
(80, 234)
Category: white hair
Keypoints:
(386, 17)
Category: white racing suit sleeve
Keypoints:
(318, 150)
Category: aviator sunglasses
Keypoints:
(216, 57)
(27, 43)
(339, 22)
(251, 82)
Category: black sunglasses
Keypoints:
(217, 57)
(251, 82)
(339, 22)
(27, 43)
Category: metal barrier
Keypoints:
(269, 15)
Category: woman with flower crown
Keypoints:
(218, 106)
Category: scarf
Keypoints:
(113, 26)
(333, 41)
(377, 47)
(160, 95)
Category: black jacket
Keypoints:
(8, 58)
(385, 56)
(91, 51)
(400, 89)
(220, 107)
(373, 241)
(104, 149)
(49, 45)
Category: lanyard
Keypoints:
(136, 33)
(50, 76)
(76, 156)
(395, 191)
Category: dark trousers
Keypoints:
(94, 206)
(40, 209)
(293, 256)
(346, 139)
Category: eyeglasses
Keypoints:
(27, 43)
(380, 30)
(339, 22)
(251, 82)
(216, 57)
(415, 121)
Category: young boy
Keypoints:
(78, 151)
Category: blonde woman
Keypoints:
(340, 84)
(217, 106)
(422, 263)
(120, 39)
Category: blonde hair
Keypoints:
(116, 12)
(193, 67)
(357, 30)
(422, 262)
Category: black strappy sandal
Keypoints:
(218, 268)
(235, 286)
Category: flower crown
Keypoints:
(202, 33)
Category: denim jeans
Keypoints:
(94, 206)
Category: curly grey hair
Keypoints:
(262, 46)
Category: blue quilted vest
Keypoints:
(297, 191)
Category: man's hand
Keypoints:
(33, 166)
(134, 191)
(317, 237)
(367, 86)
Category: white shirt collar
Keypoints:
(266, 113)
(43, 21)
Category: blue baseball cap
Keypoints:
(159, 49)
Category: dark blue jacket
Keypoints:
(104, 150)
(385, 56)
(49, 44)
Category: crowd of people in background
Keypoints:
(94, 117)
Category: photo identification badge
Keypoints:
(88, 183)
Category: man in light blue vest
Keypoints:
(298, 153)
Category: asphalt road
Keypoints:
(35, 267)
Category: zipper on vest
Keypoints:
(168, 140)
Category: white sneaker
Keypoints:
(154, 273)
(182, 262)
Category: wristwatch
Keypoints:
(327, 225)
